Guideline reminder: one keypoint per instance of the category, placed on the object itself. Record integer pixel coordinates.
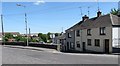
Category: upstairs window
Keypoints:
(78, 33)
(102, 31)
(69, 35)
(89, 32)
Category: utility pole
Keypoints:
(81, 11)
(25, 23)
(29, 32)
(88, 12)
(98, 5)
(2, 29)
(26, 27)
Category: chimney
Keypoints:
(84, 18)
(99, 14)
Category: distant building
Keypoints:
(13, 33)
(98, 34)
(0, 36)
(31, 35)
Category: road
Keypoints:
(26, 56)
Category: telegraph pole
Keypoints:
(2, 29)
(26, 27)
(25, 21)
(88, 12)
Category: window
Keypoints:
(71, 45)
(102, 31)
(89, 42)
(97, 42)
(78, 44)
(78, 33)
(88, 31)
(69, 35)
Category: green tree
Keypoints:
(114, 11)
(9, 36)
(18, 38)
(42, 37)
(48, 34)
(56, 34)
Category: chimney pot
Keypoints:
(99, 14)
(85, 17)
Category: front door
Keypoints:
(67, 46)
(83, 46)
(106, 45)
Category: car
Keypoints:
(41, 42)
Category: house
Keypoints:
(13, 33)
(0, 37)
(60, 40)
(98, 34)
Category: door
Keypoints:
(83, 46)
(67, 46)
(106, 45)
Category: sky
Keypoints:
(44, 17)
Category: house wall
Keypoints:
(70, 40)
(95, 35)
(116, 36)
(80, 40)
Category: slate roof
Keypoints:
(103, 21)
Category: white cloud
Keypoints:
(39, 2)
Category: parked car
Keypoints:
(41, 42)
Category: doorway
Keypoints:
(106, 45)
(83, 45)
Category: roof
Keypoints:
(61, 36)
(102, 21)
(14, 33)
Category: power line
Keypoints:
(81, 11)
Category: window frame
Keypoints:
(89, 32)
(102, 31)
(78, 33)
(97, 42)
(69, 35)
(78, 43)
(89, 43)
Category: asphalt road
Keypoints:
(26, 56)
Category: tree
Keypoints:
(56, 34)
(114, 11)
(9, 35)
(42, 37)
(18, 38)
(48, 34)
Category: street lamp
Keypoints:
(25, 21)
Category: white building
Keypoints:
(98, 34)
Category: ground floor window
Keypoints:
(78, 44)
(72, 45)
(89, 42)
(97, 42)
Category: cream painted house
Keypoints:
(98, 34)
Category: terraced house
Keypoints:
(98, 34)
